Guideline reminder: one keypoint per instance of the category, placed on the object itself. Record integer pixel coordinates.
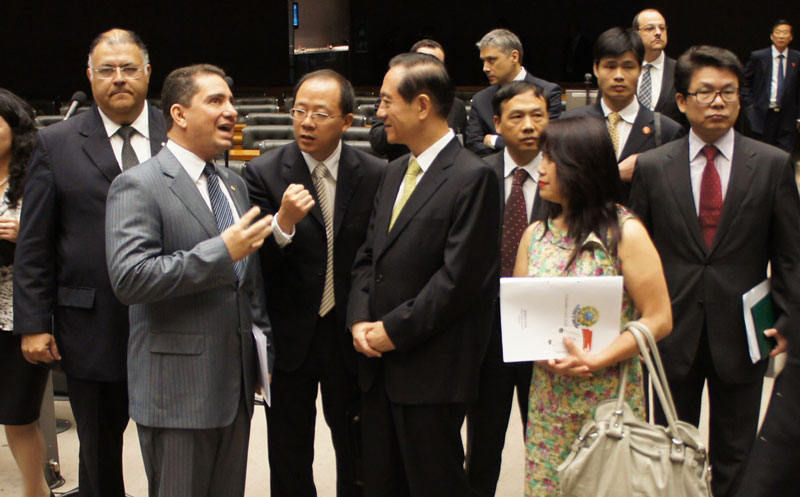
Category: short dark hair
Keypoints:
(347, 97)
(19, 117)
(426, 42)
(426, 74)
(181, 86)
(118, 36)
(511, 90)
(700, 56)
(588, 176)
(616, 41)
(781, 22)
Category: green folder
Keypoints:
(763, 313)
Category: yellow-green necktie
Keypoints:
(409, 183)
(613, 119)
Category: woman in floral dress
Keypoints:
(586, 233)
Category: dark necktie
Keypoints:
(779, 93)
(129, 158)
(515, 220)
(222, 211)
(646, 88)
(710, 197)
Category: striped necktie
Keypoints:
(646, 88)
(328, 297)
(221, 209)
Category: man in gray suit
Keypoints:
(178, 240)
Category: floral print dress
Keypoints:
(559, 405)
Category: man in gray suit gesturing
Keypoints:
(178, 240)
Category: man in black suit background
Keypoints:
(520, 117)
(720, 208)
(618, 55)
(456, 118)
(772, 94)
(63, 302)
(424, 285)
(306, 268)
(501, 53)
(656, 88)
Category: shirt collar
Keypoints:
(628, 114)
(140, 124)
(520, 75)
(332, 162)
(426, 158)
(192, 163)
(532, 167)
(775, 52)
(724, 144)
(658, 63)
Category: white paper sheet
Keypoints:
(536, 313)
(263, 362)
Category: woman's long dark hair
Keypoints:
(588, 177)
(19, 116)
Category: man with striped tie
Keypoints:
(180, 232)
(321, 192)
(656, 89)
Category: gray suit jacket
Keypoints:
(191, 349)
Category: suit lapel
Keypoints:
(742, 170)
(295, 170)
(640, 132)
(97, 146)
(677, 172)
(158, 136)
(427, 186)
(667, 78)
(348, 178)
(383, 212)
(184, 188)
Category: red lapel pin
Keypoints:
(646, 130)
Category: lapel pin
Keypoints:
(794, 64)
(646, 130)
(163, 144)
(233, 188)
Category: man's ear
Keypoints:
(177, 111)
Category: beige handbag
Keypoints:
(618, 455)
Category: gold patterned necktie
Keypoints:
(409, 183)
(613, 119)
(328, 299)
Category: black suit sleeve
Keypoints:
(457, 119)
(473, 139)
(379, 143)
(270, 252)
(35, 279)
(362, 274)
(749, 80)
(638, 200)
(554, 102)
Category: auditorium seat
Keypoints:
(82, 108)
(256, 100)
(359, 121)
(246, 109)
(258, 132)
(255, 118)
(356, 134)
(43, 121)
(365, 147)
(367, 100)
(367, 110)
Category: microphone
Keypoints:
(78, 99)
(587, 82)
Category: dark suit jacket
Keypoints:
(191, 353)
(481, 114)
(497, 163)
(642, 137)
(294, 276)
(755, 97)
(432, 280)
(456, 119)
(60, 281)
(758, 225)
(667, 104)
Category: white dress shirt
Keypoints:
(531, 183)
(332, 163)
(194, 165)
(773, 86)
(656, 77)
(426, 158)
(625, 125)
(697, 163)
(140, 141)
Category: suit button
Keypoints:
(379, 278)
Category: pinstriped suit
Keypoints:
(191, 356)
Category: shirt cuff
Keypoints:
(281, 238)
(494, 141)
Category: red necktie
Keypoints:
(515, 220)
(710, 196)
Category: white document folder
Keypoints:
(537, 313)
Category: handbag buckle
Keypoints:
(615, 425)
(678, 451)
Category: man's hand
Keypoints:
(627, 167)
(9, 228)
(489, 140)
(40, 347)
(359, 331)
(243, 238)
(378, 339)
(783, 343)
(296, 203)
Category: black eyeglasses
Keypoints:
(728, 95)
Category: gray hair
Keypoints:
(502, 39)
(118, 36)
